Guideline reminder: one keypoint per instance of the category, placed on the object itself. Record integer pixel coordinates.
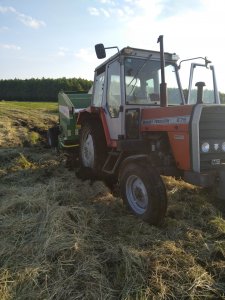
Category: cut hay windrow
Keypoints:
(64, 238)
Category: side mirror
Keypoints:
(100, 51)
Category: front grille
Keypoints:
(212, 130)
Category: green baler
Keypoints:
(70, 103)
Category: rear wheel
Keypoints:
(52, 136)
(144, 192)
(92, 146)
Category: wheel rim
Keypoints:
(88, 151)
(137, 195)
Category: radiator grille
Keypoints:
(212, 130)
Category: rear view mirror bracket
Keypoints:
(100, 50)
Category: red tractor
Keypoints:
(139, 126)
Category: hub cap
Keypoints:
(88, 152)
(136, 194)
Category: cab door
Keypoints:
(113, 100)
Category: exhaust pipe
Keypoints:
(200, 86)
(163, 85)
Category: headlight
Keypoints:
(223, 146)
(205, 147)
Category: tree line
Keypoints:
(44, 89)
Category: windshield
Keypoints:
(143, 78)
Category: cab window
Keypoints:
(113, 89)
(98, 91)
(143, 78)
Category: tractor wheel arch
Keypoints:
(83, 116)
(133, 158)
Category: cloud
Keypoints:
(121, 13)
(105, 12)
(86, 55)
(5, 9)
(126, 9)
(30, 22)
(174, 7)
(111, 2)
(4, 28)
(114, 9)
(83, 54)
(25, 19)
(94, 11)
(10, 47)
(62, 52)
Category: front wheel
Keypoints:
(143, 191)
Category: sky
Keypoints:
(56, 38)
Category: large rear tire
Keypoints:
(52, 136)
(143, 191)
(92, 146)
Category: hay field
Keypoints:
(64, 238)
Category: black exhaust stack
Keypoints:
(163, 85)
(200, 86)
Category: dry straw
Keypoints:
(63, 238)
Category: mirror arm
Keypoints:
(204, 58)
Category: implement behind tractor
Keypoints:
(137, 126)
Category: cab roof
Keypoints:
(139, 53)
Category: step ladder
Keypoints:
(112, 162)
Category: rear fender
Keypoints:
(139, 158)
(86, 114)
(83, 116)
(96, 113)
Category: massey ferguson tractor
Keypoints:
(136, 125)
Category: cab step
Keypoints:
(112, 162)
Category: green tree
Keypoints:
(44, 89)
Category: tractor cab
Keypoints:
(134, 77)
(129, 82)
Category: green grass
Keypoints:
(29, 105)
(49, 107)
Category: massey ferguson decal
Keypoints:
(167, 121)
